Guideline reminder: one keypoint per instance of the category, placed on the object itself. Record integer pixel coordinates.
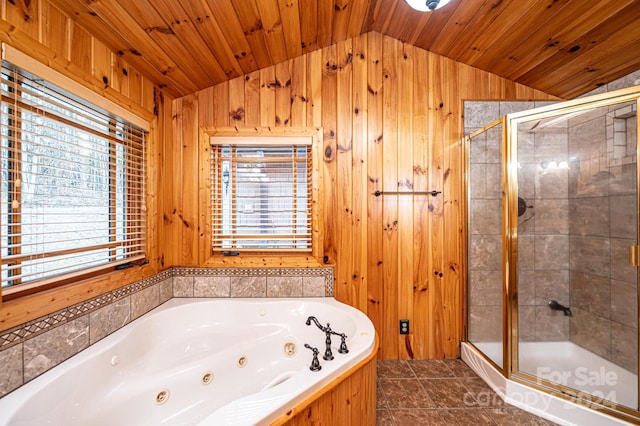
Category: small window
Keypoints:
(261, 194)
(72, 188)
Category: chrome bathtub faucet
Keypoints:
(328, 355)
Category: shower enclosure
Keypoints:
(552, 208)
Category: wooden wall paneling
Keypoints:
(135, 86)
(375, 233)
(436, 226)
(421, 164)
(148, 95)
(206, 106)
(81, 51)
(343, 189)
(56, 30)
(313, 102)
(273, 31)
(206, 118)
(236, 102)
(405, 202)
(329, 124)
(189, 206)
(120, 70)
(282, 89)
(267, 97)
(220, 105)
(252, 99)
(101, 62)
(451, 213)
(173, 166)
(390, 203)
(290, 20)
(25, 16)
(360, 197)
(299, 91)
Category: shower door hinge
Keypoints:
(633, 255)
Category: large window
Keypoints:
(261, 194)
(72, 185)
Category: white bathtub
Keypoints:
(154, 370)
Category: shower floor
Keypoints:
(570, 365)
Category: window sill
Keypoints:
(263, 260)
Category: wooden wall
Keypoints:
(392, 119)
(43, 32)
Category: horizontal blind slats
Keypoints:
(261, 197)
(72, 187)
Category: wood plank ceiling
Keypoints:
(562, 47)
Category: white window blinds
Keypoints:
(72, 185)
(261, 197)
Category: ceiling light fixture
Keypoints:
(427, 5)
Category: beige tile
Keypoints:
(144, 300)
(552, 216)
(591, 293)
(589, 216)
(591, 332)
(624, 216)
(624, 350)
(551, 252)
(208, 286)
(12, 369)
(54, 346)
(248, 286)
(590, 255)
(313, 287)
(109, 318)
(183, 286)
(284, 286)
(551, 325)
(166, 290)
(624, 303)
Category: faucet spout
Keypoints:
(553, 304)
(316, 322)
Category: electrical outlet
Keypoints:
(404, 326)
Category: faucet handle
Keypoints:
(315, 363)
(343, 344)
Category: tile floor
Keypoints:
(441, 392)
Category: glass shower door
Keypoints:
(577, 197)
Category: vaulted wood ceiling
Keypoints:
(562, 47)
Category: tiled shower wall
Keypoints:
(603, 215)
(28, 350)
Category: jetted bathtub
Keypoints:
(197, 361)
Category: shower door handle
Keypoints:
(633, 255)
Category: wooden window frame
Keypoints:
(260, 258)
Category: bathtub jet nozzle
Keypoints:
(553, 304)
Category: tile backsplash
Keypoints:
(30, 349)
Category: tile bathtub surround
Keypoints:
(441, 392)
(31, 349)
